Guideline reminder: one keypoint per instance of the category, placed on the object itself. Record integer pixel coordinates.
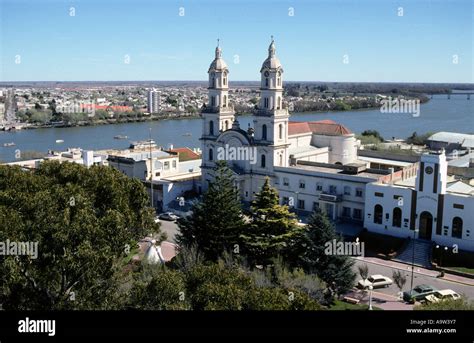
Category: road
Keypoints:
(417, 280)
(171, 228)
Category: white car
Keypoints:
(170, 216)
(442, 295)
(157, 219)
(376, 281)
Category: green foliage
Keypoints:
(273, 231)
(419, 139)
(217, 221)
(462, 304)
(334, 270)
(83, 220)
(158, 288)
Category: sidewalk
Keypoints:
(417, 270)
(380, 300)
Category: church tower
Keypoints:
(271, 118)
(218, 115)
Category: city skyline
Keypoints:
(341, 41)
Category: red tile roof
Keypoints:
(186, 154)
(321, 127)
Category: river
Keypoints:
(439, 114)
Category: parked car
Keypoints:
(418, 293)
(376, 281)
(170, 216)
(442, 295)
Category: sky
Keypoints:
(316, 40)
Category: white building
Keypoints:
(172, 172)
(441, 209)
(154, 101)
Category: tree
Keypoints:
(217, 221)
(273, 230)
(373, 133)
(363, 271)
(156, 287)
(335, 270)
(84, 222)
(399, 278)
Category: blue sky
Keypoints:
(162, 45)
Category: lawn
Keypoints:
(343, 306)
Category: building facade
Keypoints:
(154, 101)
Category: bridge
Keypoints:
(467, 94)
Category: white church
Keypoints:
(315, 164)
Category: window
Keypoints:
(397, 217)
(378, 194)
(332, 189)
(211, 128)
(174, 163)
(213, 101)
(279, 103)
(357, 213)
(301, 204)
(266, 82)
(279, 81)
(167, 165)
(302, 184)
(315, 205)
(285, 201)
(226, 125)
(347, 190)
(281, 160)
(224, 101)
(397, 197)
(346, 212)
(280, 131)
(211, 154)
(378, 214)
(286, 182)
(319, 186)
(457, 227)
(265, 102)
(264, 132)
(459, 206)
(262, 161)
(359, 192)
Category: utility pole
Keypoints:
(151, 176)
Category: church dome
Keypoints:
(218, 64)
(272, 62)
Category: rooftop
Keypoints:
(321, 127)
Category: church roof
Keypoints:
(218, 64)
(272, 62)
(321, 127)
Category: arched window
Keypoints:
(378, 214)
(265, 102)
(264, 132)
(281, 160)
(280, 131)
(224, 102)
(279, 81)
(279, 103)
(397, 217)
(266, 82)
(457, 227)
(211, 154)
(226, 125)
(213, 101)
(211, 128)
(225, 79)
(263, 161)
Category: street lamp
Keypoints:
(370, 297)
(413, 260)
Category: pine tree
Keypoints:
(335, 270)
(217, 221)
(273, 230)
